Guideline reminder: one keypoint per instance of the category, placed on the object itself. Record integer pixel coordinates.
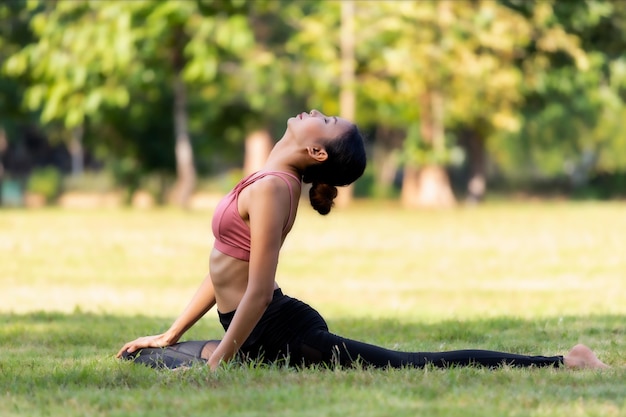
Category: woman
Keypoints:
(250, 225)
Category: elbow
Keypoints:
(262, 298)
(267, 298)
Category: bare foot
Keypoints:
(581, 357)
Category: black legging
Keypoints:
(292, 331)
(321, 346)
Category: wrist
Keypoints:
(171, 337)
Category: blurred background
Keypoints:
(147, 103)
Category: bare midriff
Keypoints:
(230, 280)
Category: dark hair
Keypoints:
(345, 163)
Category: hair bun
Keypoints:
(322, 196)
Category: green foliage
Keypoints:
(368, 187)
(572, 113)
(543, 82)
(78, 61)
(91, 58)
(14, 34)
(90, 182)
(418, 152)
(314, 51)
(46, 182)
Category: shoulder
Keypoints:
(269, 194)
(267, 199)
(269, 185)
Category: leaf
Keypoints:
(16, 65)
(74, 117)
(93, 101)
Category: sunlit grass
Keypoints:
(371, 260)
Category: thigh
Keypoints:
(278, 334)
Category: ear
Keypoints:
(317, 153)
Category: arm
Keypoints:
(268, 210)
(200, 304)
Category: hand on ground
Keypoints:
(159, 340)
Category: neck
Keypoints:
(281, 158)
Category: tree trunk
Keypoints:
(347, 97)
(185, 170)
(4, 143)
(429, 186)
(477, 184)
(386, 167)
(385, 161)
(76, 151)
(258, 148)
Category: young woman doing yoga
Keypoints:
(261, 323)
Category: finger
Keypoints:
(126, 348)
(121, 352)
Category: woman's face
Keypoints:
(312, 126)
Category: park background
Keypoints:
(491, 214)
(160, 101)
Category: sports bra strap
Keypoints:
(281, 174)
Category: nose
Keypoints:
(314, 113)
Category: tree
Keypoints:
(77, 63)
(14, 33)
(267, 95)
(573, 114)
(347, 94)
(324, 48)
(92, 55)
(454, 67)
(198, 38)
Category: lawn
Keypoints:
(530, 278)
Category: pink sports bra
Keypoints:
(232, 234)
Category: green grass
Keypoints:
(529, 278)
